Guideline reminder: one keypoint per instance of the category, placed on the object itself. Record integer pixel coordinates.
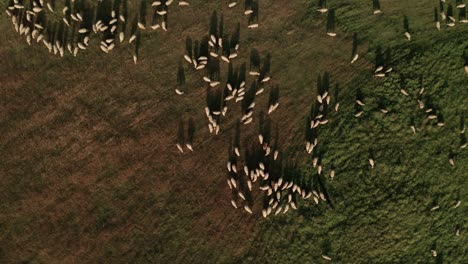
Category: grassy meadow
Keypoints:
(90, 172)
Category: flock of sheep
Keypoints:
(259, 163)
(72, 24)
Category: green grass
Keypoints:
(383, 215)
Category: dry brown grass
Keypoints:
(77, 133)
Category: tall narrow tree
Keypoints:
(190, 133)
(180, 135)
(376, 6)
(331, 23)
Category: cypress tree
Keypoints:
(254, 59)
(137, 44)
(248, 5)
(181, 133)
(230, 75)
(204, 47)
(213, 69)
(267, 131)
(134, 28)
(308, 130)
(261, 123)
(103, 12)
(359, 95)
(196, 50)
(331, 21)
(226, 46)
(255, 13)
(87, 22)
(388, 58)
(462, 14)
(115, 8)
(190, 131)
(325, 82)
(221, 27)
(125, 10)
(67, 15)
(462, 121)
(274, 95)
(235, 37)
(465, 57)
(406, 24)
(143, 12)
(249, 98)
(266, 64)
(235, 81)
(123, 20)
(276, 141)
(155, 18)
(242, 74)
(214, 25)
(379, 57)
(319, 85)
(375, 5)
(181, 75)
(59, 34)
(322, 3)
(65, 38)
(355, 45)
(166, 20)
(188, 47)
(463, 142)
(237, 135)
(449, 13)
(52, 33)
(441, 5)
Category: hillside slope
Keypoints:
(91, 172)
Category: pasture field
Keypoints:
(90, 173)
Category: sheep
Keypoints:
(452, 161)
(234, 204)
(355, 58)
(358, 114)
(280, 208)
(359, 102)
(180, 148)
(408, 36)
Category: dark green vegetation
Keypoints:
(90, 171)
